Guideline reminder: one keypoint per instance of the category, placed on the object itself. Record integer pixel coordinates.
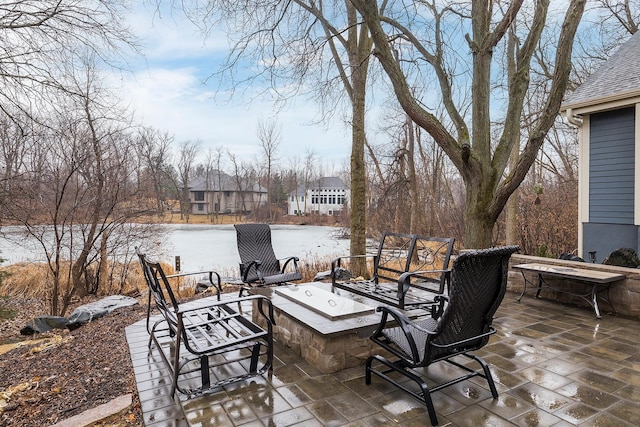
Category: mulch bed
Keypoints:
(78, 370)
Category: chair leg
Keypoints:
(255, 354)
(487, 373)
(424, 396)
(204, 372)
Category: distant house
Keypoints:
(606, 110)
(224, 194)
(326, 196)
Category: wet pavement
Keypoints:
(554, 365)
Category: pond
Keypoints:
(214, 246)
(202, 246)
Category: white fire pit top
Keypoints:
(324, 302)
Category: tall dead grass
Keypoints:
(34, 280)
(309, 267)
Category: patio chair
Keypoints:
(205, 344)
(478, 284)
(258, 263)
(397, 254)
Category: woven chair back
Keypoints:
(254, 243)
(478, 285)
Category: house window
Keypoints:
(200, 207)
(293, 199)
(302, 198)
(227, 193)
(199, 196)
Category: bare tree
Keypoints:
(270, 136)
(187, 155)
(213, 177)
(481, 160)
(240, 175)
(623, 15)
(293, 41)
(39, 37)
(154, 153)
(75, 187)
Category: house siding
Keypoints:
(612, 167)
(327, 196)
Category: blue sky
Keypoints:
(167, 90)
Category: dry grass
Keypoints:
(34, 280)
(25, 280)
(309, 267)
(174, 218)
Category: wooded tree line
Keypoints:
(77, 169)
(484, 79)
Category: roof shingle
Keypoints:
(616, 77)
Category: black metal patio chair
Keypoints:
(428, 257)
(206, 344)
(258, 263)
(477, 287)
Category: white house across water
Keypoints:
(326, 196)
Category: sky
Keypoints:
(168, 90)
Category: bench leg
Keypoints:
(204, 372)
(255, 354)
(594, 299)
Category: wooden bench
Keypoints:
(208, 337)
(597, 281)
(427, 258)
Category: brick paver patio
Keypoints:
(554, 365)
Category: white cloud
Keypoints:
(175, 101)
(168, 92)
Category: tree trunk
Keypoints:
(102, 264)
(512, 206)
(478, 229)
(480, 214)
(358, 242)
(413, 182)
(359, 50)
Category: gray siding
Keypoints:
(611, 166)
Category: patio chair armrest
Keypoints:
(404, 281)
(245, 268)
(211, 273)
(295, 260)
(398, 316)
(404, 323)
(491, 331)
(181, 311)
(338, 261)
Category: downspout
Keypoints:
(578, 122)
(574, 120)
